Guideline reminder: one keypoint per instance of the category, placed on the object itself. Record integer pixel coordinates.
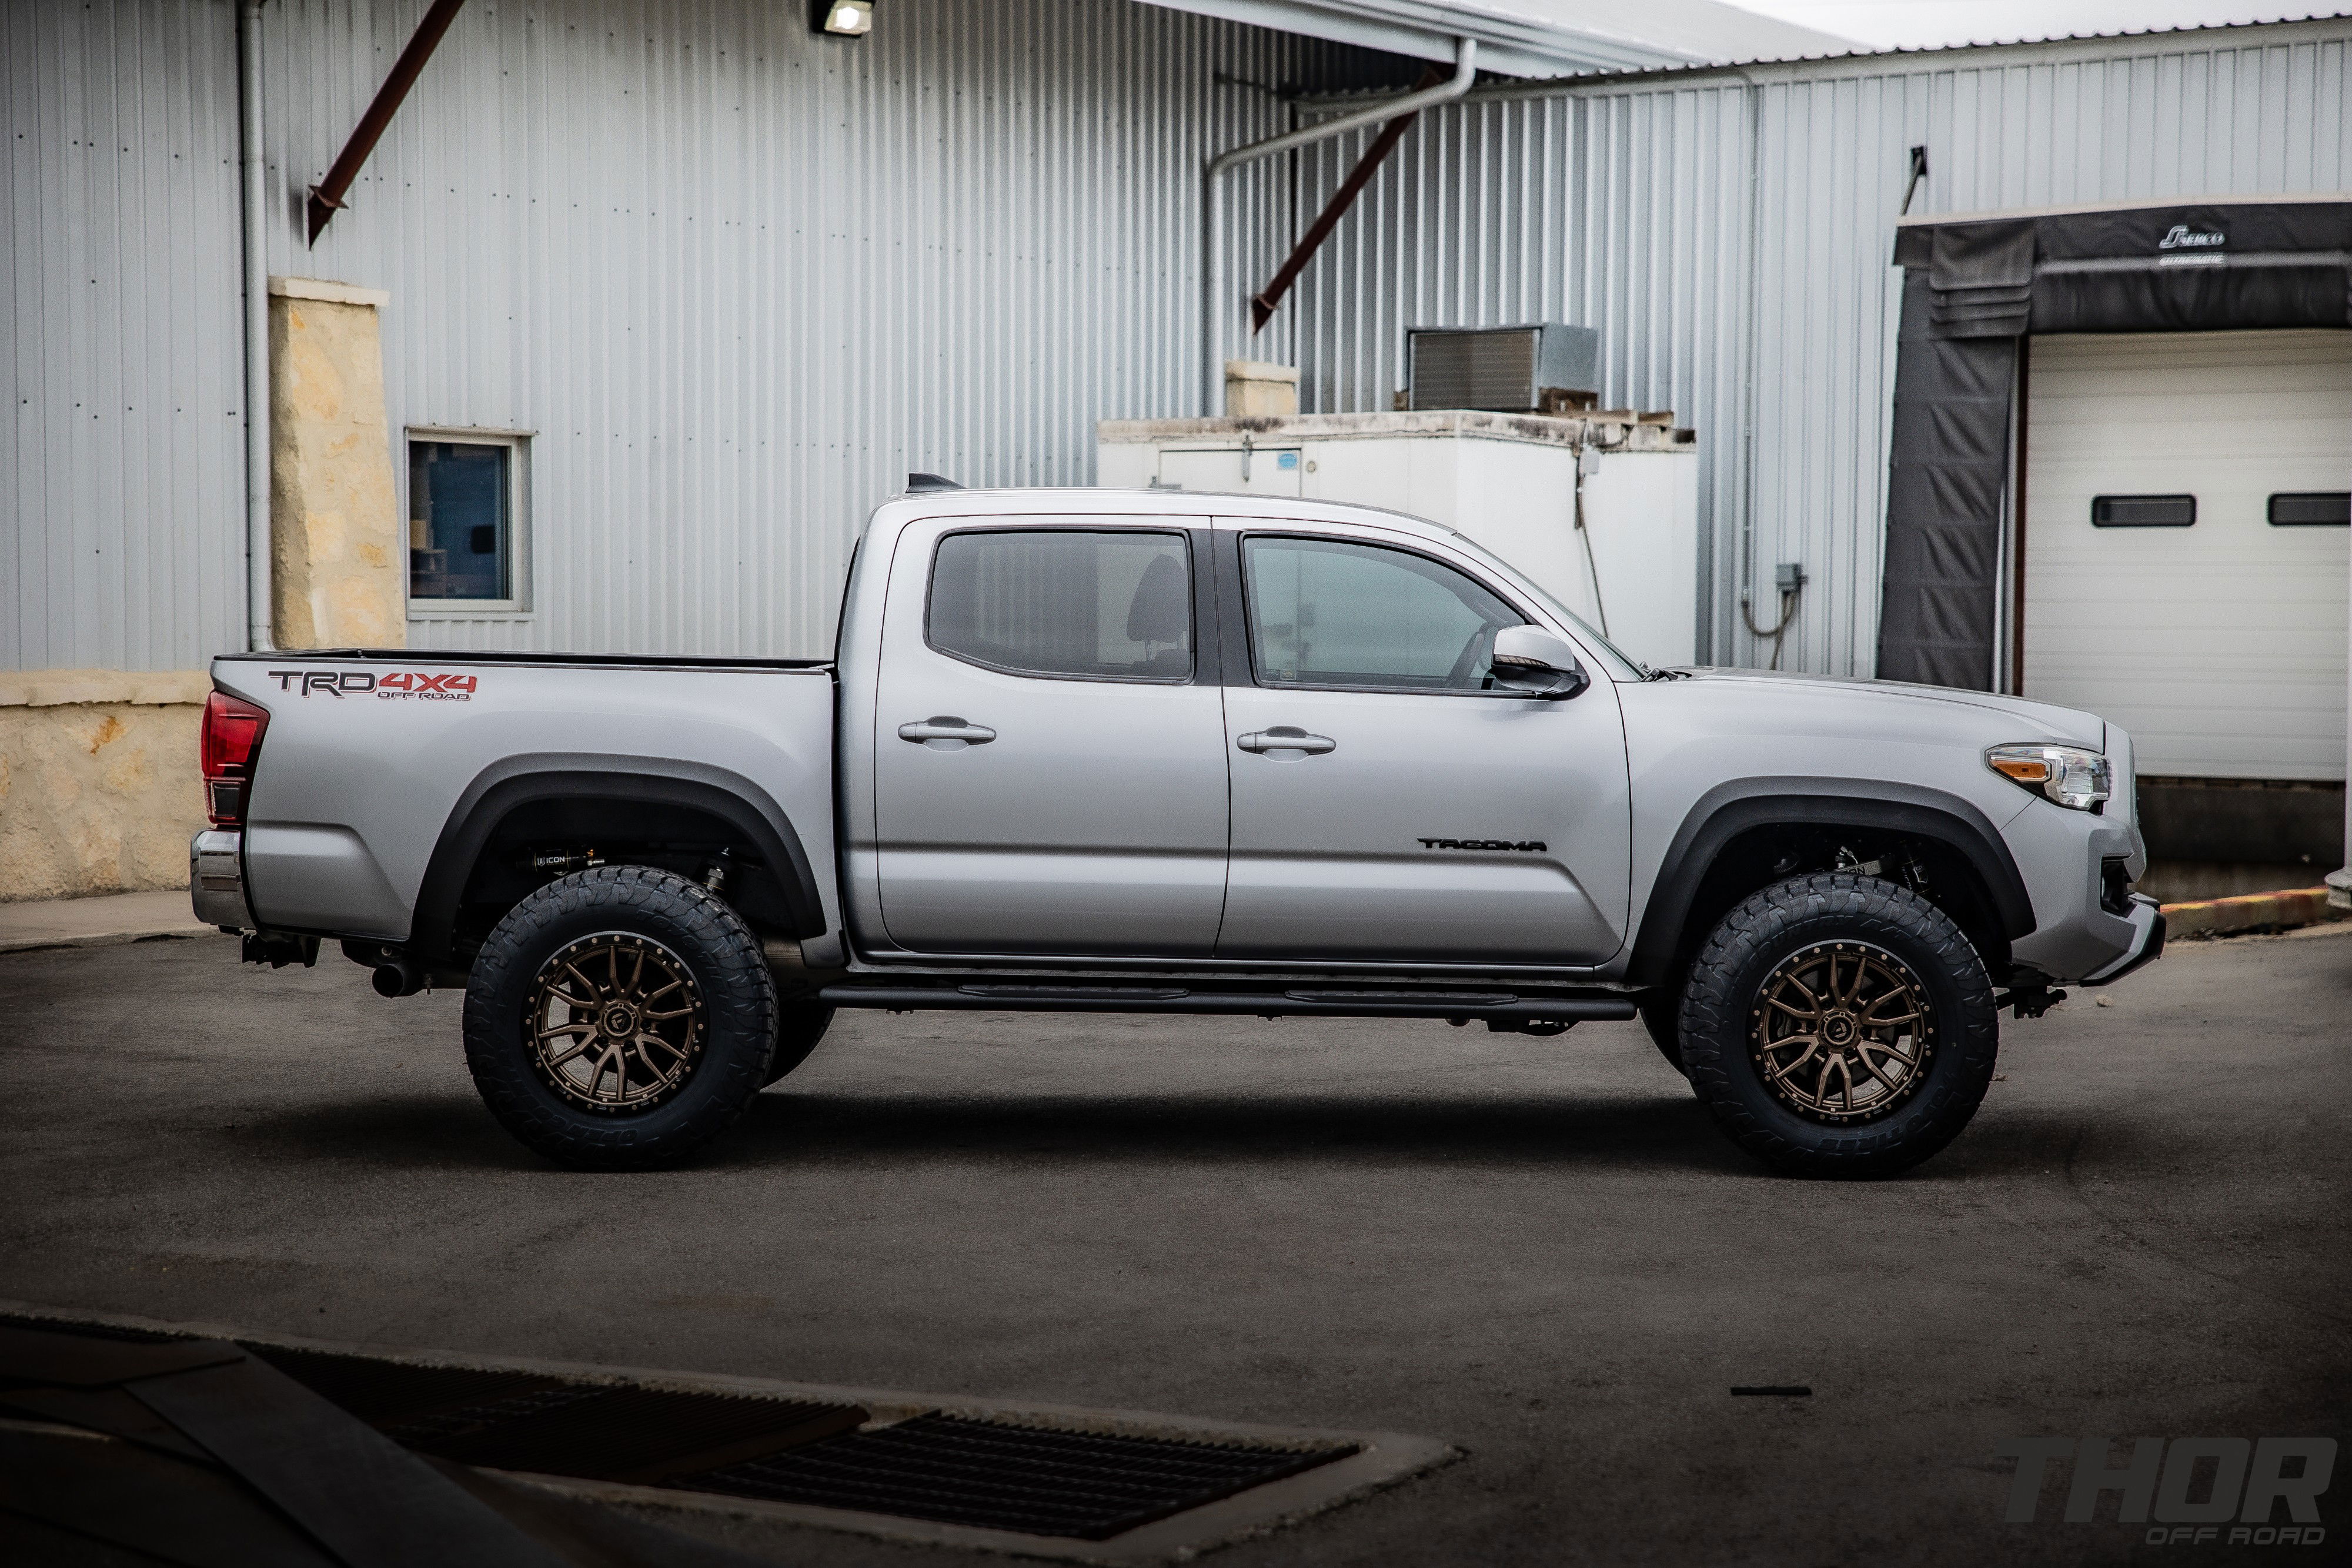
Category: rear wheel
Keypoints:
(1839, 1025)
(620, 1019)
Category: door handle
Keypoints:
(948, 728)
(1287, 738)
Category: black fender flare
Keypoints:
(1728, 810)
(498, 790)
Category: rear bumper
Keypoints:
(216, 879)
(2148, 945)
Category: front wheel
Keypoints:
(799, 1026)
(1839, 1025)
(619, 1019)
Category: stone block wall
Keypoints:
(99, 790)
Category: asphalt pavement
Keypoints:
(1537, 1249)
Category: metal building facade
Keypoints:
(1730, 233)
(122, 451)
(735, 279)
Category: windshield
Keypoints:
(1622, 665)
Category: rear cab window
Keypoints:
(1064, 603)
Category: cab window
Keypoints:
(1069, 604)
(1328, 612)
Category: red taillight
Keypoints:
(231, 736)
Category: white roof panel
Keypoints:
(1539, 37)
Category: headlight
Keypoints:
(2076, 777)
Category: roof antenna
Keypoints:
(1918, 173)
(918, 483)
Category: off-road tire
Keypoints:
(1724, 989)
(736, 993)
(799, 1026)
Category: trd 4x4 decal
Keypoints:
(441, 686)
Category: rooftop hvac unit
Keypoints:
(1507, 369)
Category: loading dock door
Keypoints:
(2219, 643)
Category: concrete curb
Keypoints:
(98, 922)
(105, 939)
(2252, 912)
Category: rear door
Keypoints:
(1389, 803)
(1049, 770)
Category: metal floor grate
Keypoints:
(391, 1394)
(640, 1435)
(1035, 1480)
(949, 1470)
(558, 1426)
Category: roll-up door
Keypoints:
(2185, 544)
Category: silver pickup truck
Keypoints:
(1142, 751)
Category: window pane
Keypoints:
(1064, 601)
(1330, 614)
(460, 542)
(2143, 511)
(2309, 509)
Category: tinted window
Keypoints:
(2311, 508)
(2143, 511)
(1065, 601)
(460, 529)
(1324, 613)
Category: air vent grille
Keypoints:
(1508, 369)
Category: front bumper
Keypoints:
(2147, 922)
(216, 879)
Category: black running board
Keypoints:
(1297, 1003)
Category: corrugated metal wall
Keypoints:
(1730, 233)
(737, 280)
(122, 457)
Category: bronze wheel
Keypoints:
(615, 1022)
(1843, 1032)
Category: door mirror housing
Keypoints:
(1532, 662)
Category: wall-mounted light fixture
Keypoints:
(843, 18)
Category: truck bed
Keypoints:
(374, 759)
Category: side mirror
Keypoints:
(1531, 661)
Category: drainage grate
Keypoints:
(395, 1394)
(550, 1425)
(642, 1434)
(1037, 1481)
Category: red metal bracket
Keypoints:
(1264, 302)
(327, 195)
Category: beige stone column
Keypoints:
(334, 508)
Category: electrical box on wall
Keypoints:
(1513, 484)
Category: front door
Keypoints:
(1049, 771)
(1388, 802)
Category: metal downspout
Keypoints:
(1212, 216)
(253, 197)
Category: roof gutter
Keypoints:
(1212, 212)
(254, 202)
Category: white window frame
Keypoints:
(519, 524)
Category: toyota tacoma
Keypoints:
(1156, 752)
